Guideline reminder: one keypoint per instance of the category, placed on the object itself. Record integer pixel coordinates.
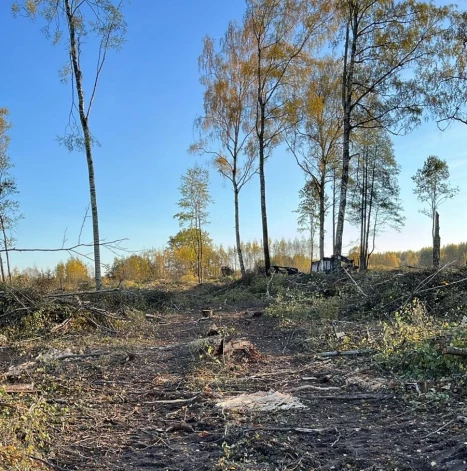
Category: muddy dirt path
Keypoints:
(153, 408)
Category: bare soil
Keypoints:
(149, 407)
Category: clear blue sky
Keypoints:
(148, 98)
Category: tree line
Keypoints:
(332, 81)
(167, 265)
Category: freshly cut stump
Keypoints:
(240, 349)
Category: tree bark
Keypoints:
(2, 270)
(369, 210)
(237, 233)
(436, 243)
(334, 194)
(7, 255)
(312, 243)
(322, 211)
(87, 143)
(347, 87)
(264, 216)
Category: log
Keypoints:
(462, 352)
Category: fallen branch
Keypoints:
(8, 313)
(444, 286)
(353, 397)
(47, 463)
(171, 401)
(5, 404)
(79, 293)
(18, 388)
(337, 353)
(355, 283)
(288, 429)
(74, 356)
(423, 283)
(439, 429)
(314, 388)
(462, 352)
(61, 325)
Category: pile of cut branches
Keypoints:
(25, 312)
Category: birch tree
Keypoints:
(383, 41)
(81, 24)
(375, 193)
(309, 214)
(227, 123)
(9, 206)
(315, 141)
(278, 30)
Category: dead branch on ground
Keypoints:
(455, 351)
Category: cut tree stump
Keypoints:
(213, 330)
(233, 349)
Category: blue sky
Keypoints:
(148, 98)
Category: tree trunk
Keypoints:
(344, 184)
(2, 270)
(201, 257)
(347, 86)
(262, 182)
(334, 194)
(369, 211)
(362, 163)
(312, 243)
(436, 243)
(322, 210)
(237, 233)
(87, 143)
(7, 254)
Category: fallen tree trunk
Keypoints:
(455, 351)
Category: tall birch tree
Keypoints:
(82, 25)
(383, 41)
(227, 122)
(278, 30)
